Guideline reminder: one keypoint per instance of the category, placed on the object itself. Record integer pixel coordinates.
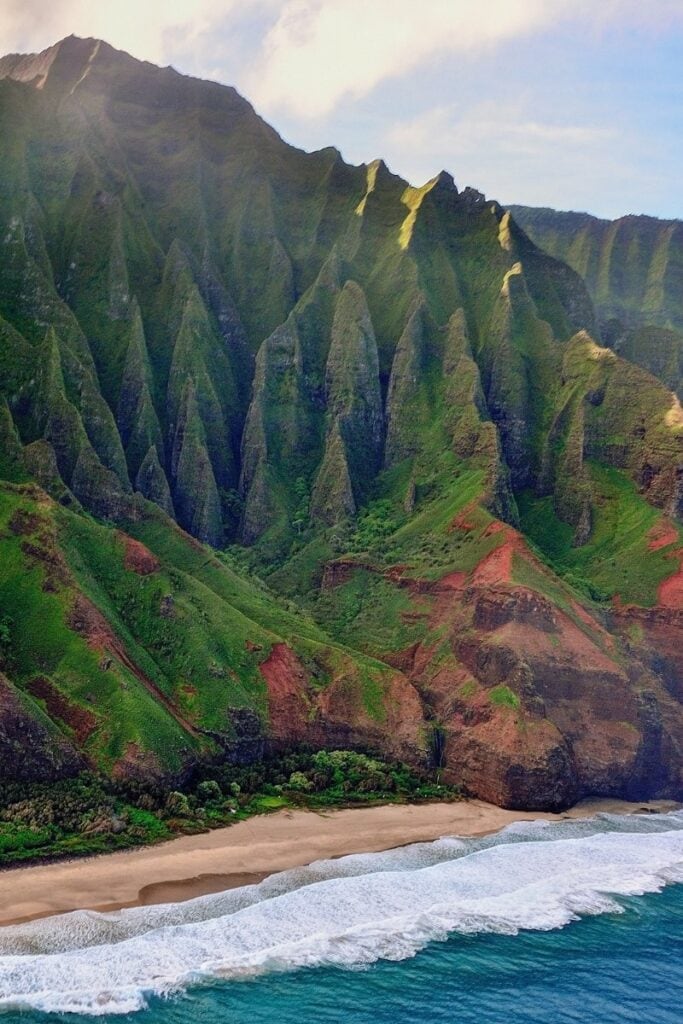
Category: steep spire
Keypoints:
(195, 492)
(136, 416)
(354, 399)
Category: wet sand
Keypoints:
(248, 851)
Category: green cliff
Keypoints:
(633, 268)
(443, 435)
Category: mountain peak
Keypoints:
(443, 181)
(62, 65)
(378, 174)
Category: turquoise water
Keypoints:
(575, 922)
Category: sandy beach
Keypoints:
(249, 850)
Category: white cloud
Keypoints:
(320, 51)
(502, 149)
(314, 67)
(500, 127)
(149, 29)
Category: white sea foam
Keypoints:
(348, 912)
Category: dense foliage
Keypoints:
(91, 814)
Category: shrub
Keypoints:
(300, 782)
(177, 805)
(375, 524)
(209, 792)
(89, 814)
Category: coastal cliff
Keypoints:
(296, 454)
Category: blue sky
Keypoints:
(564, 103)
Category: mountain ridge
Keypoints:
(385, 398)
(632, 267)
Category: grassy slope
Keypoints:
(42, 644)
(617, 559)
(200, 661)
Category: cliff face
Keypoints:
(536, 703)
(225, 315)
(633, 268)
(377, 396)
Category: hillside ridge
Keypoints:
(632, 267)
(224, 360)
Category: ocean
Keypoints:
(574, 921)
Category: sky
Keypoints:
(575, 104)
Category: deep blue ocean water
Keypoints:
(540, 923)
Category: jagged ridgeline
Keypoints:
(633, 268)
(238, 330)
(364, 389)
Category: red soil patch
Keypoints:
(582, 614)
(570, 644)
(282, 670)
(497, 566)
(89, 622)
(462, 520)
(137, 763)
(403, 660)
(670, 593)
(137, 558)
(495, 527)
(606, 638)
(285, 678)
(661, 535)
(58, 705)
(453, 581)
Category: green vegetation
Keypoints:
(368, 607)
(164, 663)
(45, 655)
(503, 697)
(618, 558)
(353, 389)
(374, 526)
(91, 814)
(629, 267)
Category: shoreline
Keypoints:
(250, 850)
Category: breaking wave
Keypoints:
(348, 912)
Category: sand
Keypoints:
(249, 850)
